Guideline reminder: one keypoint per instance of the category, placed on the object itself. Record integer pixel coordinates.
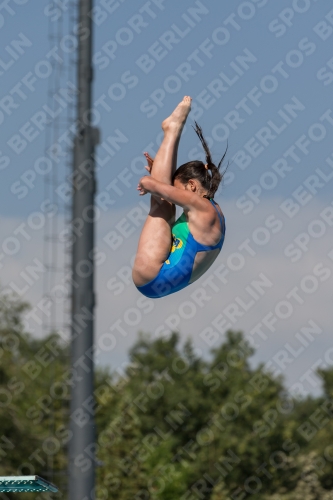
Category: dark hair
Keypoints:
(211, 177)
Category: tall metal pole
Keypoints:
(82, 442)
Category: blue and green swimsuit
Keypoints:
(176, 272)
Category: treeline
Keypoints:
(173, 426)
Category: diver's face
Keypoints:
(179, 185)
(192, 185)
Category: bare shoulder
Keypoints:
(218, 208)
(205, 214)
(205, 224)
(210, 207)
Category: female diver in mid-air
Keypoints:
(170, 254)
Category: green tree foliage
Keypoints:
(174, 425)
(33, 399)
(215, 429)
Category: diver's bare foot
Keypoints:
(176, 121)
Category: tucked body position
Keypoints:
(173, 254)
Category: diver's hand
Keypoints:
(141, 188)
(150, 162)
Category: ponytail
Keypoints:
(208, 174)
(214, 176)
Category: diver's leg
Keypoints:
(155, 240)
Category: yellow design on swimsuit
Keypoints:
(176, 271)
